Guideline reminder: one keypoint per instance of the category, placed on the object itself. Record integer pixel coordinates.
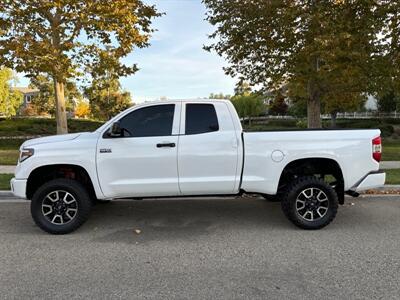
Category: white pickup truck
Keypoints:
(193, 148)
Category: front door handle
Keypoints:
(161, 145)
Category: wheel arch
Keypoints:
(311, 167)
(45, 173)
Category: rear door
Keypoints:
(208, 150)
(143, 162)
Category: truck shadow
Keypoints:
(186, 219)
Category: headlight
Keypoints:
(25, 154)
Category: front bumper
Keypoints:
(18, 187)
(371, 181)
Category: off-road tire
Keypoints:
(295, 188)
(74, 188)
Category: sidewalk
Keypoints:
(7, 169)
(390, 165)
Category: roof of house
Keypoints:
(25, 90)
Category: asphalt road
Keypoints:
(203, 249)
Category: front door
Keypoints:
(143, 161)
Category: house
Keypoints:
(28, 94)
(371, 103)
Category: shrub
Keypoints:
(28, 111)
(301, 124)
(386, 130)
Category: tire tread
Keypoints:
(84, 203)
(286, 202)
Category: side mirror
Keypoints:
(116, 129)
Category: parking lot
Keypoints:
(203, 249)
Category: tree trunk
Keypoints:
(314, 112)
(333, 119)
(314, 96)
(61, 115)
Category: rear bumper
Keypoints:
(371, 181)
(18, 187)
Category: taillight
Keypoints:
(377, 148)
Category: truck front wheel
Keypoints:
(310, 203)
(60, 206)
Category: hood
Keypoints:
(51, 139)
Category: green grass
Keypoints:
(42, 126)
(10, 144)
(8, 157)
(5, 181)
(392, 176)
(9, 151)
(391, 150)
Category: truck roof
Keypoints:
(181, 100)
(169, 101)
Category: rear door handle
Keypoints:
(161, 145)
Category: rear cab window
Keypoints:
(200, 118)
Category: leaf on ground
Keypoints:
(384, 192)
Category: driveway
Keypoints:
(203, 249)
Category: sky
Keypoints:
(175, 65)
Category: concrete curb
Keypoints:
(4, 191)
(391, 186)
(6, 194)
(388, 187)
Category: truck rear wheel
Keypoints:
(60, 206)
(310, 203)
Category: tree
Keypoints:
(305, 44)
(82, 110)
(219, 96)
(248, 106)
(10, 100)
(62, 38)
(44, 102)
(388, 102)
(106, 98)
(391, 44)
(242, 87)
(342, 102)
(278, 105)
(298, 107)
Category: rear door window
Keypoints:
(200, 118)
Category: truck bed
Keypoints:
(268, 152)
